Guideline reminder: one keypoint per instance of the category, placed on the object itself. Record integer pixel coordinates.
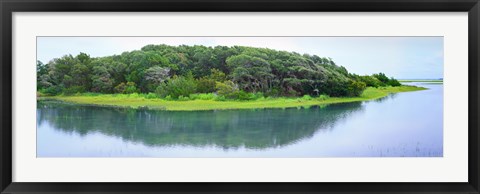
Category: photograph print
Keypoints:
(239, 97)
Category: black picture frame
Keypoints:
(10, 6)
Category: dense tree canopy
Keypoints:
(177, 71)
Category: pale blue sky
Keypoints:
(400, 57)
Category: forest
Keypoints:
(180, 72)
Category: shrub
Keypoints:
(73, 90)
(133, 95)
(162, 90)
(130, 88)
(91, 94)
(52, 90)
(382, 77)
(259, 95)
(151, 96)
(220, 98)
(208, 96)
(273, 92)
(355, 88)
(205, 85)
(371, 81)
(323, 97)
(183, 98)
(227, 88)
(306, 97)
(177, 86)
(242, 95)
(393, 82)
(120, 88)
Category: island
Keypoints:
(188, 78)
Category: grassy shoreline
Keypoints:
(192, 105)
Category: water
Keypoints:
(408, 124)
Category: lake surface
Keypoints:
(408, 124)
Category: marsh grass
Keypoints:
(209, 101)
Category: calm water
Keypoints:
(406, 124)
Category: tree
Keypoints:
(252, 74)
(155, 76)
(101, 80)
(183, 70)
(382, 78)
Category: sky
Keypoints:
(399, 57)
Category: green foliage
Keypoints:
(355, 88)
(306, 97)
(151, 96)
(323, 97)
(227, 89)
(177, 86)
(206, 85)
(371, 81)
(130, 88)
(52, 91)
(393, 82)
(128, 100)
(217, 75)
(386, 81)
(208, 96)
(120, 88)
(73, 90)
(184, 70)
(381, 77)
(183, 98)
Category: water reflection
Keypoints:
(227, 129)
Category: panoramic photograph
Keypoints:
(239, 97)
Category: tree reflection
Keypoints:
(229, 129)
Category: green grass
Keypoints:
(138, 101)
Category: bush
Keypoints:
(209, 96)
(134, 95)
(52, 90)
(183, 98)
(130, 88)
(323, 97)
(371, 81)
(205, 85)
(91, 94)
(273, 92)
(393, 82)
(177, 86)
(382, 77)
(162, 90)
(355, 88)
(227, 88)
(220, 98)
(151, 96)
(73, 90)
(242, 95)
(306, 97)
(120, 88)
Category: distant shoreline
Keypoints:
(420, 80)
(135, 101)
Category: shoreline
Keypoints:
(136, 102)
